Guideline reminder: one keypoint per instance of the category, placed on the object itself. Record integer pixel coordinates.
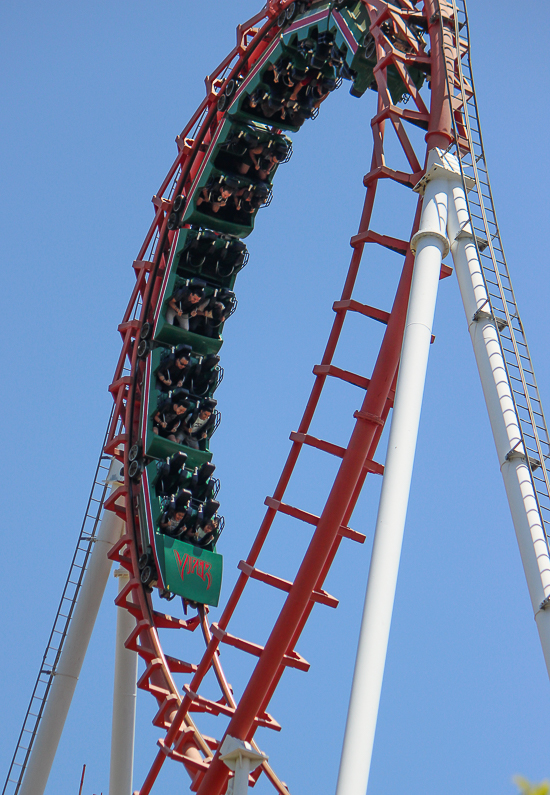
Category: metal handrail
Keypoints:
(502, 302)
(54, 647)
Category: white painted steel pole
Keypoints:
(242, 758)
(72, 657)
(502, 414)
(124, 701)
(431, 246)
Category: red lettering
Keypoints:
(181, 564)
(207, 567)
(194, 566)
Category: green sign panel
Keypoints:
(192, 572)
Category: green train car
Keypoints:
(320, 44)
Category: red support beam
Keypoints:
(183, 742)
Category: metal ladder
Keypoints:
(61, 624)
(503, 306)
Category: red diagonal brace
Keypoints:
(351, 378)
(129, 325)
(144, 682)
(186, 760)
(292, 659)
(168, 706)
(320, 596)
(180, 666)
(164, 621)
(110, 502)
(142, 264)
(384, 172)
(344, 375)
(309, 518)
(319, 444)
(125, 381)
(115, 552)
(392, 243)
(363, 309)
(202, 704)
(132, 641)
(123, 601)
(159, 201)
(114, 443)
(369, 466)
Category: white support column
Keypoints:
(502, 414)
(124, 701)
(431, 245)
(240, 757)
(72, 657)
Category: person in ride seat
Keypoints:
(323, 50)
(176, 517)
(269, 103)
(279, 72)
(306, 48)
(217, 193)
(270, 157)
(198, 532)
(250, 159)
(249, 199)
(208, 532)
(184, 302)
(300, 79)
(169, 417)
(318, 91)
(242, 149)
(211, 316)
(197, 425)
(176, 370)
(171, 522)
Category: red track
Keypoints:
(182, 741)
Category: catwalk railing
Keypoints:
(54, 647)
(503, 307)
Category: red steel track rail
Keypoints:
(183, 742)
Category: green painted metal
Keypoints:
(364, 61)
(210, 220)
(203, 272)
(239, 113)
(156, 446)
(174, 335)
(156, 501)
(191, 572)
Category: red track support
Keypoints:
(182, 741)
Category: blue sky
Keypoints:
(93, 98)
